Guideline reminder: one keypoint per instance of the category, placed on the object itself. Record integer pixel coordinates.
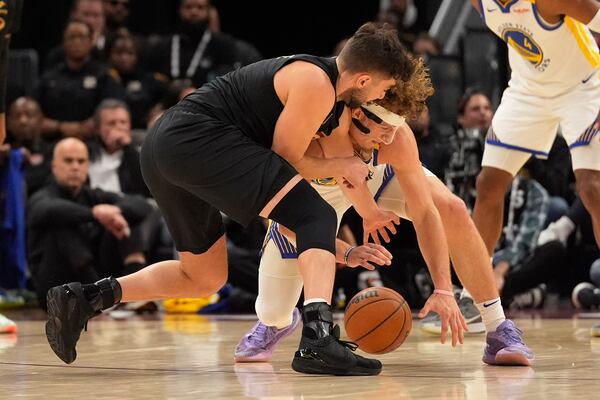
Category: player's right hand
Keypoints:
(369, 254)
(354, 171)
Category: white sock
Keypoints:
(492, 313)
(315, 300)
(465, 293)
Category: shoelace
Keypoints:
(513, 333)
(335, 332)
(259, 332)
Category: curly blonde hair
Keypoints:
(408, 97)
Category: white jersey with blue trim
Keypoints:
(546, 59)
(332, 193)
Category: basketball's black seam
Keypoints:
(398, 335)
(382, 322)
(364, 305)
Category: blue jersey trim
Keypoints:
(387, 177)
(481, 10)
(543, 23)
(536, 153)
(505, 8)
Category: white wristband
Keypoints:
(594, 24)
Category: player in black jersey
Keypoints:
(237, 145)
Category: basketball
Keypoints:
(378, 320)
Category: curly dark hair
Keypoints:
(408, 98)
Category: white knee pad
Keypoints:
(279, 288)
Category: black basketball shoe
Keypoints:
(69, 311)
(322, 352)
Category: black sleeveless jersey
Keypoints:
(247, 99)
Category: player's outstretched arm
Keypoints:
(403, 155)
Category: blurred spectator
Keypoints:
(195, 52)
(522, 270)
(114, 161)
(76, 233)
(466, 144)
(116, 14)
(433, 151)
(92, 13)
(24, 124)
(175, 92)
(143, 90)
(69, 93)
(115, 167)
(403, 15)
(426, 46)
(554, 174)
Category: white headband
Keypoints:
(386, 115)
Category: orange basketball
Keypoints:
(378, 320)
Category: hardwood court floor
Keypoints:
(190, 357)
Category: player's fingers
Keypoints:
(463, 323)
(424, 311)
(454, 327)
(366, 237)
(461, 330)
(384, 234)
(366, 265)
(375, 237)
(444, 319)
(381, 249)
(375, 258)
(391, 227)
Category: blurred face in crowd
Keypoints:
(420, 125)
(194, 11)
(25, 120)
(78, 41)
(114, 125)
(116, 12)
(424, 45)
(123, 55)
(92, 13)
(477, 114)
(70, 164)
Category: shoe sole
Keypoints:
(9, 329)
(57, 300)
(314, 367)
(509, 358)
(266, 356)
(474, 328)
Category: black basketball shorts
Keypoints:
(196, 166)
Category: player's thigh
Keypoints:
(216, 162)
(523, 126)
(580, 122)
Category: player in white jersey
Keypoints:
(401, 185)
(555, 81)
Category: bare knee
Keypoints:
(202, 282)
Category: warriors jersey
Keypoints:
(331, 192)
(546, 59)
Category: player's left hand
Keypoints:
(367, 255)
(377, 224)
(450, 315)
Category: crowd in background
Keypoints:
(74, 206)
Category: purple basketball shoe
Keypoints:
(259, 343)
(505, 346)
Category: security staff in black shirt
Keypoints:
(69, 93)
(143, 90)
(195, 52)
